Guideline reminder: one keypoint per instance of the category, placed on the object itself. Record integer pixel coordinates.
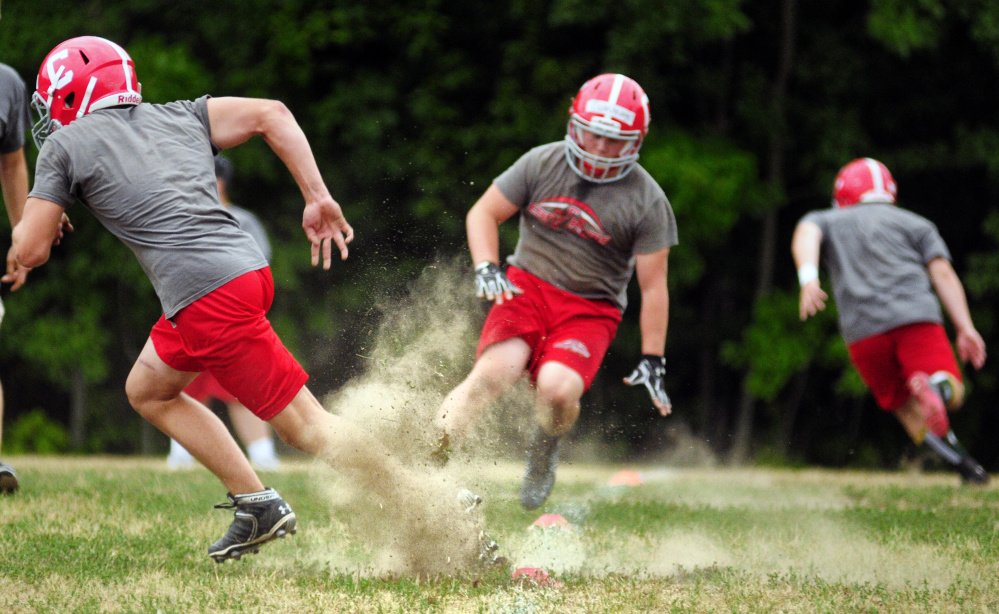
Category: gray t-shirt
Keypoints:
(582, 236)
(147, 173)
(14, 115)
(249, 222)
(876, 255)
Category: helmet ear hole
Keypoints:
(69, 100)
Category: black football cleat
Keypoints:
(259, 518)
(539, 477)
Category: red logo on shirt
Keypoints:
(570, 214)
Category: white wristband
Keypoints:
(807, 273)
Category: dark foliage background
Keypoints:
(413, 107)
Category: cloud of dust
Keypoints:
(424, 347)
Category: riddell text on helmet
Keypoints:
(129, 98)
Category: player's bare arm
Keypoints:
(40, 228)
(482, 225)
(14, 179)
(970, 345)
(651, 272)
(805, 246)
(235, 120)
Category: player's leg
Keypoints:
(306, 425)
(154, 390)
(203, 390)
(8, 477)
(255, 435)
(497, 368)
(894, 366)
(568, 362)
(934, 380)
(559, 390)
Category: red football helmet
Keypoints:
(865, 180)
(609, 105)
(81, 75)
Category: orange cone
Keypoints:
(551, 520)
(535, 577)
(626, 477)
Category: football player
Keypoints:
(590, 218)
(888, 267)
(146, 172)
(14, 121)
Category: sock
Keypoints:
(261, 452)
(178, 454)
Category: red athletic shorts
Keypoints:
(205, 387)
(558, 325)
(226, 333)
(887, 360)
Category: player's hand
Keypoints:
(324, 225)
(971, 347)
(16, 274)
(812, 300)
(492, 283)
(651, 373)
(64, 226)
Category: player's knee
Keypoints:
(137, 394)
(559, 394)
(302, 424)
(485, 386)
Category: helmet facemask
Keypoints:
(45, 125)
(600, 169)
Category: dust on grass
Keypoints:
(424, 346)
(792, 529)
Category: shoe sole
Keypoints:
(8, 482)
(281, 529)
(930, 404)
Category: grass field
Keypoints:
(127, 535)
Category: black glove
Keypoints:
(492, 283)
(651, 373)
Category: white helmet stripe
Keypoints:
(86, 98)
(615, 92)
(876, 177)
(124, 63)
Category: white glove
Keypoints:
(492, 283)
(651, 373)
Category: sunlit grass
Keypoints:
(127, 535)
